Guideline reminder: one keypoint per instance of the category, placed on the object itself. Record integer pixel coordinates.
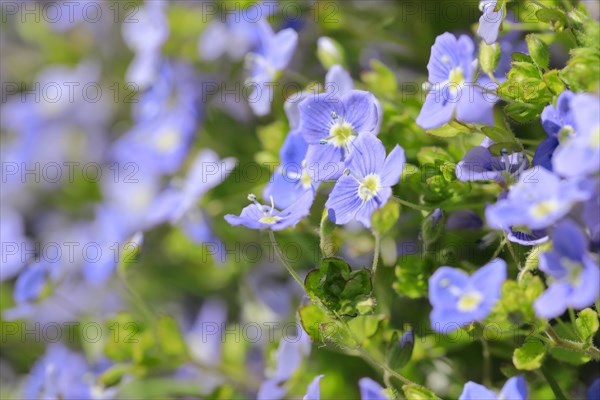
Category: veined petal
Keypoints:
(343, 202)
(393, 166)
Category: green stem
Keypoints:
(284, 261)
(591, 351)
(371, 360)
(487, 363)
(376, 252)
(139, 302)
(558, 393)
(411, 205)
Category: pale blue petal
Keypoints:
(360, 110)
(489, 22)
(475, 391)
(338, 81)
(436, 111)
(392, 169)
(586, 293)
(343, 202)
(313, 392)
(367, 157)
(370, 390)
(440, 283)
(324, 162)
(553, 302)
(515, 389)
(316, 117)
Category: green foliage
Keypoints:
(414, 392)
(341, 289)
(529, 356)
(384, 218)
(380, 80)
(587, 324)
(411, 276)
(489, 55)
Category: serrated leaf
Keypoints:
(340, 288)
(553, 82)
(321, 327)
(538, 50)
(587, 324)
(497, 134)
(414, 392)
(529, 356)
(433, 155)
(384, 218)
(522, 112)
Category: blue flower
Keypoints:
(537, 201)
(459, 299)
(330, 125)
(146, 38)
(574, 273)
(31, 282)
(291, 179)
(579, 153)
(12, 232)
(59, 374)
(313, 392)
(594, 390)
(370, 390)
(258, 216)
(369, 183)
(479, 164)
(454, 93)
(272, 55)
(514, 389)
(290, 354)
(490, 21)
(556, 121)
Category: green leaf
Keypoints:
(411, 276)
(113, 375)
(489, 55)
(341, 289)
(384, 218)
(169, 336)
(538, 50)
(587, 324)
(327, 227)
(553, 82)
(498, 134)
(380, 80)
(551, 16)
(529, 356)
(582, 72)
(414, 392)
(569, 332)
(433, 155)
(522, 112)
(321, 327)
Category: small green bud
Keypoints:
(489, 56)
(538, 50)
(330, 52)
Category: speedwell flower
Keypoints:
(258, 216)
(459, 299)
(514, 389)
(330, 125)
(573, 270)
(454, 91)
(490, 21)
(369, 183)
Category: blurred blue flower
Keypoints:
(290, 354)
(460, 299)
(479, 164)
(371, 390)
(573, 272)
(146, 37)
(369, 183)
(272, 55)
(594, 390)
(514, 389)
(31, 282)
(330, 125)
(454, 93)
(579, 152)
(313, 392)
(59, 374)
(537, 201)
(258, 216)
(557, 121)
(490, 21)
(12, 234)
(237, 35)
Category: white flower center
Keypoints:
(340, 134)
(544, 208)
(167, 141)
(369, 187)
(269, 219)
(469, 301)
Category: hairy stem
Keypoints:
(284, 261)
